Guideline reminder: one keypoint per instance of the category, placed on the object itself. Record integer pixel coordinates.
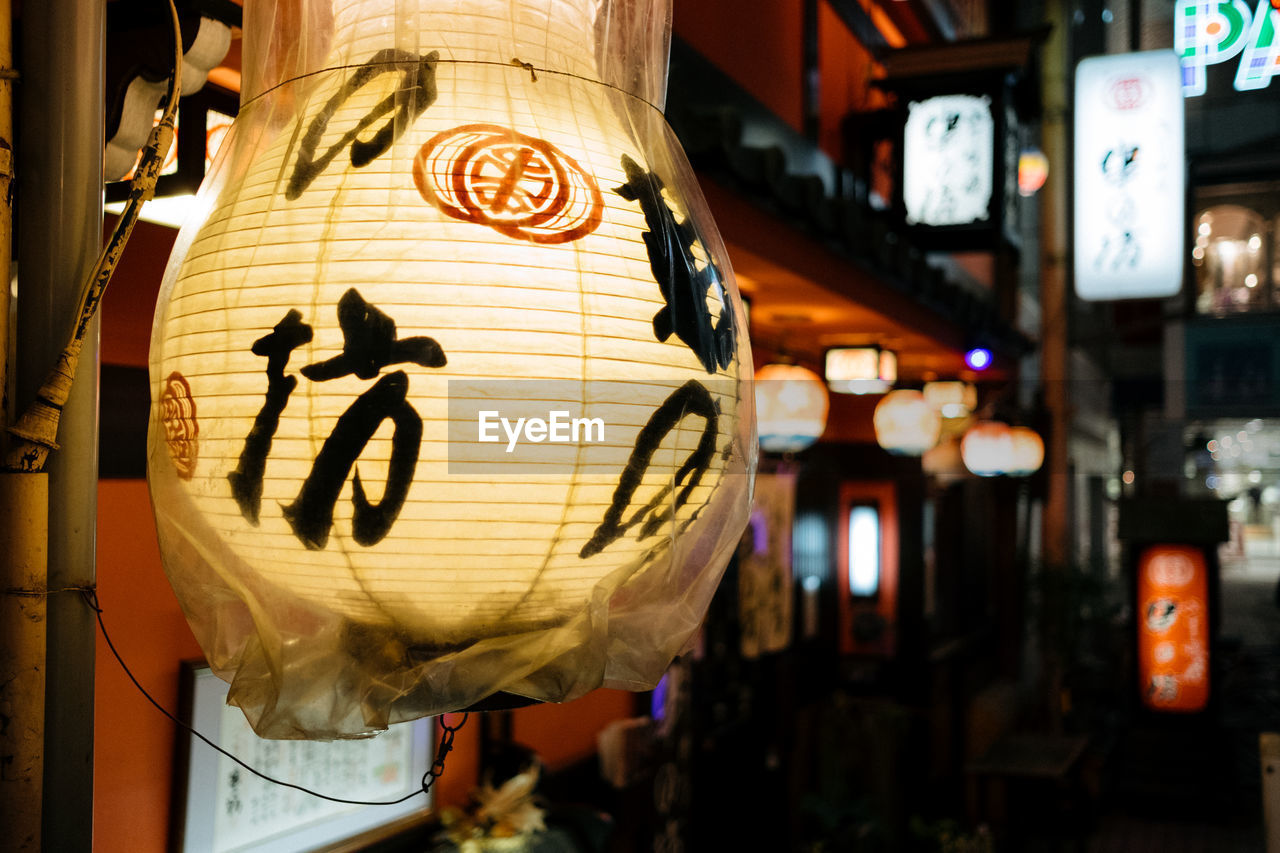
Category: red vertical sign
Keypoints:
(1173, 628)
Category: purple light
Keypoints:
(978, 358)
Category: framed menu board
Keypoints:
(219, 807)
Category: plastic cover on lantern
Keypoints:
(426, 210)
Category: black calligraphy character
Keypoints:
(692, 398)
(683, 285)
(368, 344)
(246, 481)
(417, 91)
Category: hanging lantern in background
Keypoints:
(791, 407)
(905, 423)
(987, 448)
(944, 462)
(440, 238)
(860, 370)
(1028, 451)
(952, 399)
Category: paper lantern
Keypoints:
(987, 448)
(860, 370)
(450, 395)
(791, 407)
(951, 399)
(905, 423)
(1028, 451)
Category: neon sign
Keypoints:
(1207, 34)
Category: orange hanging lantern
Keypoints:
(440, 238)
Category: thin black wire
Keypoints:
(428, 779)
(526, 66)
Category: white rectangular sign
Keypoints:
(1129, 176)
(948, 153)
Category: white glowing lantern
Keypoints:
(1028, 451)
(430, 220)
(905, 423)
(951, 399)
(987, 448)
(791, 407)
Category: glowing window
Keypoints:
(864, 551)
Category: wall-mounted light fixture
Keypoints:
(860, 370)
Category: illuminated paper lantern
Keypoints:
(430, 221)
(987, 448)
(905, 423)
(791, 407)
(1028, 451)
(951, 399)
(1173, 628)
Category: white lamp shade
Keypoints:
(987, 448)
(905, 423)
(791, 407)
(1028, 451)
(952, 399)
(396, 241)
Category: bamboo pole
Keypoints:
(24, 501)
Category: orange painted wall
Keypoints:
(563, 734)
(133, 743)
(759, 43)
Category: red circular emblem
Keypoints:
(519, 185)
(178, 416)
(1128, 93)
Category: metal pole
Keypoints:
(60, 215)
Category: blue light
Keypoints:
(978, 358)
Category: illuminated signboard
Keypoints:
(949, 153)
(1173, 628)
(1129, 174)
(1207, 34)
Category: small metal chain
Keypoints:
(436, 770)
